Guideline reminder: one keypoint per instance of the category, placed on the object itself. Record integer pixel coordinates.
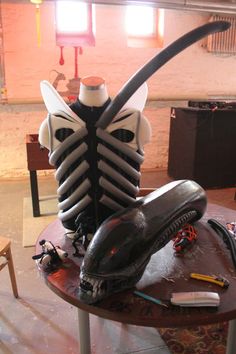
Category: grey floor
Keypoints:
(40, 322)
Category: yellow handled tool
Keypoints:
(212, 279)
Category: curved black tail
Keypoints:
(154, 64)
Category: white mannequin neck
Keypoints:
(93, 91)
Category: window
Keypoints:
(74, 25)
(224, 42)
(144, 26)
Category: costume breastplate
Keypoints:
(98, 171)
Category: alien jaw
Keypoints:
(93, 289)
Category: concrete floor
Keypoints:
(40, 322)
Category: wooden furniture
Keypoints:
(168, 274)
(37, 159)
(5, 252)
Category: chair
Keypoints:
(37, 159)
(5, 251)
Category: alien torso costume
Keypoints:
(98, 171)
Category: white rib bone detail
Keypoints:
(115, 175)
(73, 177)
(76, 195)
(105, 200)
(105, 152)
(70, 159)
(72, 139)
(76, 209)
(108, 186)
(120, 146)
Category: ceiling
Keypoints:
(218, 6)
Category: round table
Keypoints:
(164, 275)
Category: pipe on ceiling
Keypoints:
(220, 6)
(228, 7)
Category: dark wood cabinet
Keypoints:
(202, 146)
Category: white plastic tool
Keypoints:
(193, 299)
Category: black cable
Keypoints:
(225, 236)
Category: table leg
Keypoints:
(84, 332)
(231, 339)
(34, 193)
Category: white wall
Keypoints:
(192, 74)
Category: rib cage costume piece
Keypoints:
(98, 171)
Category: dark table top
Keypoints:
(164, 275)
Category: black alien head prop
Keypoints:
(123, 245)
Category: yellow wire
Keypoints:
(38, 29)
